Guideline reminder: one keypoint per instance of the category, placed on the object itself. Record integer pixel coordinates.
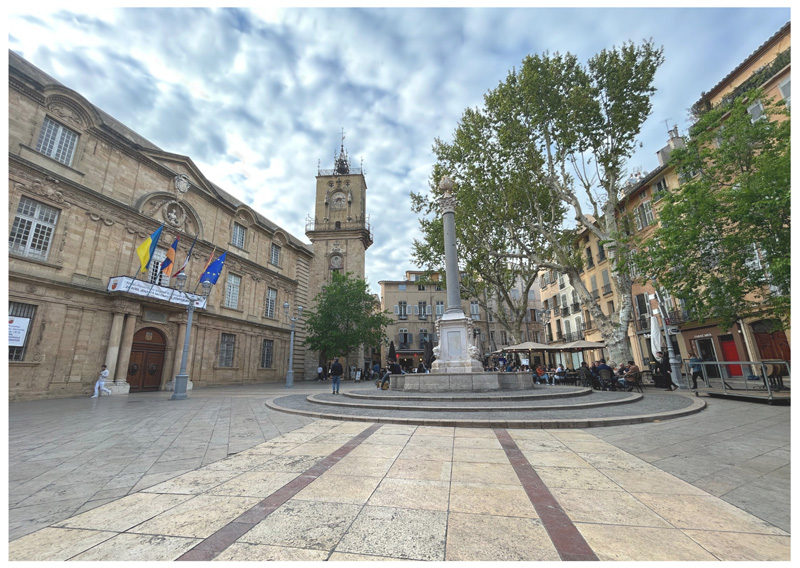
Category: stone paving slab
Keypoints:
(459, 499)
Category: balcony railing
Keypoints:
(402, 317)
(564, 312)
(559, 335)
(606, 289)
(643, 322)
(677, 316)
(576, 307)
(595, 293)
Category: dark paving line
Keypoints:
(212, 546)
(566, 537)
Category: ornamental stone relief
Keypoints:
(66, 111)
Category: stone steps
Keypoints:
(556, 407)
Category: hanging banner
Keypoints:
(146, 289)
(17, 331)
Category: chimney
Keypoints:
(674, 141)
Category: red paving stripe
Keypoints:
(212, 546)
(566, 537)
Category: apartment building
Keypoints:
(417, 301)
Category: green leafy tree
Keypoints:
(345, 318)
(724, 241)
(541, 161)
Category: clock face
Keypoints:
(338, 200)
(336, 261)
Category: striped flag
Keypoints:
(169, 263)
(188, 254)
(145, 250)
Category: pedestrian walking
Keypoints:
(336, 375)
(694, 363)
(100, 385)
(319, 373)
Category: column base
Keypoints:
(170, 385)
(121, 387)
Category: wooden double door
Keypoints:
(772, 343)
(146, 365)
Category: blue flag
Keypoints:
(214, 269)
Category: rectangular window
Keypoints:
(601, 252)
(785, 87)
(438, 287)
(271, 301)
(402, 310)
(644, 215)
(424, 311)
(503, 337)
(595, 292)
(439, 308)
(33, 229)
(589, 259)
(275, 255)
(57, 142)
(660, 189)
(16, 352)
(606, 283)
(475, 310)
(227, 345)
(239, 235)
(156, 276)
(267, 349)
(401, 287)
(232, 291)
(423, 337)
(756, 111)
(421, 287)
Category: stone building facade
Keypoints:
(84, 192)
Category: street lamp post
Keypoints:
(182, 379)
(290, 372)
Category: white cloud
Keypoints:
(257, 98)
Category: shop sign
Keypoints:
(17, 331)
(699, 335)
(149, 290)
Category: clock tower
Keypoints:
(340, 235)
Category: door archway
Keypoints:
(146, 365)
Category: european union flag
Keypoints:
(214, 270)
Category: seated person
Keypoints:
(585, 374)
(601, 367)
(560, 374)
(631, 375)
(541, 376)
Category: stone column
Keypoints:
(113, 341)
(120, 385)
(448, 205)
(176, 364)
(455, 352)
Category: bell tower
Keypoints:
(339, 231)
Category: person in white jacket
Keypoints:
(101, 382)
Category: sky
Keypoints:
(258, 98)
